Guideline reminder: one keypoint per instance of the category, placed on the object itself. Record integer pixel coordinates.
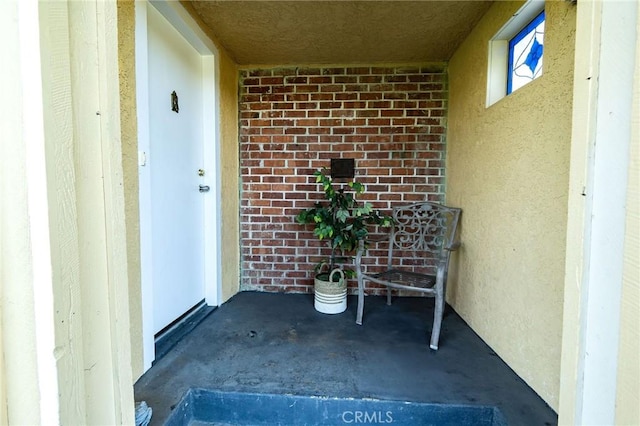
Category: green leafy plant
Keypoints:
(341, 220)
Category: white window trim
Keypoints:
(499, 49)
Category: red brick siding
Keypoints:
(294, 120)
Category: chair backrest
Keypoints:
(423, 230)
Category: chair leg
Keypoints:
(437, 321)
(360, 300)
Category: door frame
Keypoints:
(180, 19)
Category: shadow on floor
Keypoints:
(278, 344)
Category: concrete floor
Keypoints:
(278, 343)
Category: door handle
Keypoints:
(203, 188)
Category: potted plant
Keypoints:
(342, 221)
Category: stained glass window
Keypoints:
(525, 54)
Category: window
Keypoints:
(525, 54)
(515, 52)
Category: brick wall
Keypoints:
(294, 120)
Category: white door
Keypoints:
(174, 158)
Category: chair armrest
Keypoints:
(362, 244)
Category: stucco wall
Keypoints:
(129, 130)
(508, 169)
(230, 176)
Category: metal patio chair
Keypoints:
(419, 247)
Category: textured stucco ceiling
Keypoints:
(339, 32)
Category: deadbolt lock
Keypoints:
(200, 172)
